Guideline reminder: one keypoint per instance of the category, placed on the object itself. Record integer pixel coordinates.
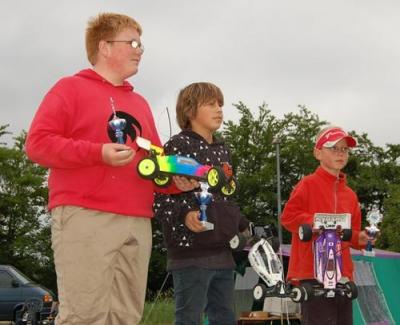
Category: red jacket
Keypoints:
(324, 193)
(67, 135)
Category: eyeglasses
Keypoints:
(336, 150)
(134, 43)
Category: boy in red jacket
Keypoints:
(324, 191)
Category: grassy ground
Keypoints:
(159, 313)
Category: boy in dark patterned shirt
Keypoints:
(200, 261)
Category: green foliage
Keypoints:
(390, 234)
(254, 146)
(24, 226)
(160, 312)
(157, 268)
(371, 169)
(372, 172)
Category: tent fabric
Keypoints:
(377, 279)
(371, 299)
(243, 294)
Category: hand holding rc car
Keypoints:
(329, 231)
(160, 168)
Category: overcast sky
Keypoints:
(339, 58)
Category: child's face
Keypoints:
(123, 59)
(209, 117)
(333, 159)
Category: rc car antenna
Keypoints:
(169, 122)
(113, 107)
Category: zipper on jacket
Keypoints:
(335, 187)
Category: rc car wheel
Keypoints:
(215, 178)
(238, 242)
(351, 290)
(147, 168)
(305, 232)
(346, 234)
(259, 291)
(299, 294)
(162, 181)
(309, 289)
(230, 188)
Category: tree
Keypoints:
(24, 223)
(390, 237)
(254, 157)
(371, 169)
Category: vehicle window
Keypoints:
(22, 278)
(5, 280)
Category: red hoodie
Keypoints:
(320, 192)
(67, 134)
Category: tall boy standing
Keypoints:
(101, 208)
(324, 191)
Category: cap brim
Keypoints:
(351, 142)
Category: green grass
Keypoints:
(159, 313)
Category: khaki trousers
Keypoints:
(101, 262)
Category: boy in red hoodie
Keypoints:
(324, 191)
(101, 208)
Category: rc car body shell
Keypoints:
(329, 231)
(266, 263)
(161, 167)
(328, 259)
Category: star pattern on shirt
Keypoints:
(170, 206)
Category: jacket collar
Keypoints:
(341, 178)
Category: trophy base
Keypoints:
(207, 225)
(368, 253)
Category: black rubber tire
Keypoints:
(305, 232)
(162, 181)
(299, 294)
(238, 242)
(351, 290)
(259, 292)
(347, 234)
(230, 188)
(309, 289)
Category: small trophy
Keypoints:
(373, 217)
(117, 124)
(204, 198)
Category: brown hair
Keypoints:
(104, 27)
(192, 97)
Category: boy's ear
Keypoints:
(317, 154)
(103, 48)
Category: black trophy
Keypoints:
(117, 124)
(204, 198)
(373, 217)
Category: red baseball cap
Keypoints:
(333, 135)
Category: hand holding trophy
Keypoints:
(373, 217)
(117, 124)
(204, 198)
